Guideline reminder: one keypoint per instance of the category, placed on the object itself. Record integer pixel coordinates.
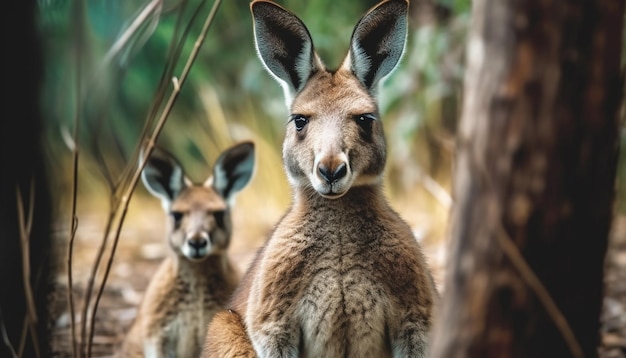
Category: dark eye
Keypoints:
(177, 216)
(300, 121)
(219, 218)
(365, 120)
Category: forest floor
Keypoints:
(141, 248)
(614, 311)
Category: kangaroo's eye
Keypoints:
(177, 216)
(300, 121)
(365, 120)
(219, 218)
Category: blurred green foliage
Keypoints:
(229, 96)
(420, 100)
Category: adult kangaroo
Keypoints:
(342, 274)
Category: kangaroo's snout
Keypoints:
(332, 173)
(197, 246)
(198, 242)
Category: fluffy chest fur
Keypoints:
(345, 274)
(342, 308)
(178, 308)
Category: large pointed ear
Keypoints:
(233, 170)
(378, 42)
(163, 176)
(284, 46)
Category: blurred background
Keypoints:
(106, 78)
(230, 97)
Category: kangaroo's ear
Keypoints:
(378, 42)
(284, 45)
(163, 176)
(233, 170)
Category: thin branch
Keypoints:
(102, 82)
(25, 326)
(5, 337)
(531, 279)
(84, 347)
(528, 275)
(145, 13)
(23, 336)
(174, 52)
(24, 245)
(125, 200)
(70, 254)
(24, 228)
(103, 283)
(78, 14)
(26, 321)
(123, 40)
(31, 208)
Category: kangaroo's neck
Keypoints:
(213, 265)
(357, 199)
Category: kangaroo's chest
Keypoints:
(344, 314)
(185, 327)
(185, 333)
(344, 304)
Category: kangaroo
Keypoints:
(197, 278)
(342, 274)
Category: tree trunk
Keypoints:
(22, 166)
(535, 180)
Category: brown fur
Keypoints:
(178, 305)
(342, 274)
(190, 286)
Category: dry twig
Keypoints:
(78, 8)
(5, 338)
(125, 200)
(25, 226)
(528, 275)
(119, 204)
(531, 279)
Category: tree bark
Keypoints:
(534, 180)
(22, 165)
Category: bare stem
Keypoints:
(125, 199)
(79, 37)
(70, 253)
(103, 282)
(84, 347)
(120, 43)
(23, 336)
(5, 337)
(528, 275)
(24, 227)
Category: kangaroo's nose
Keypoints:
(198, 243)
(332, 175)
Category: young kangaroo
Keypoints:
(197, 278)
(342, 274)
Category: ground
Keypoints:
(142, 247)
(614, 311)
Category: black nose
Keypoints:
(332, 176)
(198, 243)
